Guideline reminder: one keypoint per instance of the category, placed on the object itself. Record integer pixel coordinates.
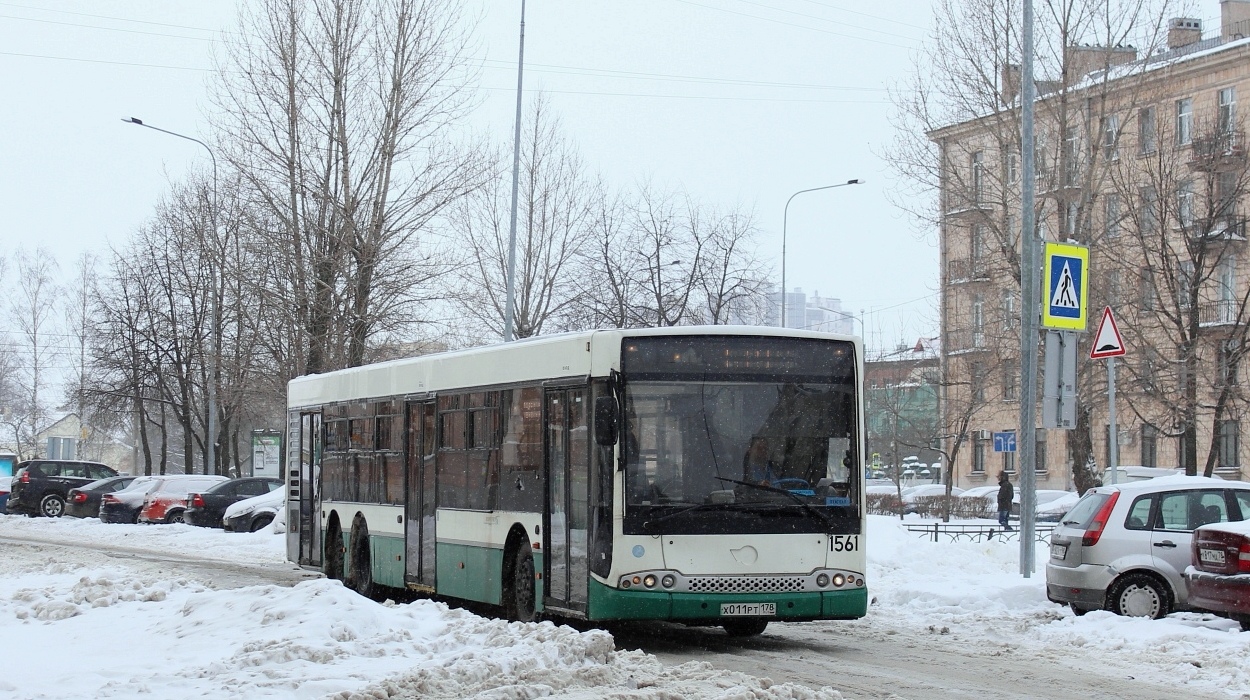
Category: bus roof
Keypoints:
(576, 354)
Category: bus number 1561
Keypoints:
(844, 543)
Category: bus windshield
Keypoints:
(743, 448)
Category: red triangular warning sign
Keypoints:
(1107, 341)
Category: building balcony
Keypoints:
(1222, 151)
(960, 270)
(1224, 228)
(968, 206)
(963, 340)
(1216, 314)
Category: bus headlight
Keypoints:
(649, 581)
(838, 580)
(822, 580)
(668, 581)
(625, 582)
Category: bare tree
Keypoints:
(553, 226)
(336, 114)
(33, 309)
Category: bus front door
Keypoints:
(565, 516)
(419, 490)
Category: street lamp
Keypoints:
(211, 441)
(784, 220)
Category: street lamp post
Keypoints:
(210, 460)
(784, 221)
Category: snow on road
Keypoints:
(84, 625)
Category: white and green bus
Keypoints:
(706, 475)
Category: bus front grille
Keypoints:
(745, 584)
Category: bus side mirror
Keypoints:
(605, 420)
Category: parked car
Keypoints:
(254, 513)
(912, 496)
(206, 508)
(1217, 576)
(84, 501)
(1041, 498)
(1124, 548)
(168, 501)
(123, 506)
(1053, 509)
(1123, 475)
(41, 486)
(4, 492)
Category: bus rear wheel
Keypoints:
(361, 577)
(744, 628)
(332, 562)
(519, 592)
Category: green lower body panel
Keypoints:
(615, 604)
(387, 556)
(468, 572)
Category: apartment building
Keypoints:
(1143, 159)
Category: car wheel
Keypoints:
(261, 522)
(361, 565)
(52, 506)
(1139, 595)
(744, 628)
(178, 516)
(332, 557)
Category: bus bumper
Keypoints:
(608, 603)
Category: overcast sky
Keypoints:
(736, 101)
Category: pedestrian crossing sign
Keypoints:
(1066, 274)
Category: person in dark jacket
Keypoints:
(1005, 495)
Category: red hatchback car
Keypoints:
(166, 502)
(1219, 577)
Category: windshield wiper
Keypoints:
(794, 497)
(687, 509)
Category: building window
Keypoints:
(1106, 437)
(1039, 454)
(1148, 292)
(1011, 381)
(978, 177)
(1184, 281)
(1071, 215)
(978, 382)
(1229, 436)
(1111, 213)
(1185, 204)
(1184, 121)
(1227, 184)
(1111, 137)
(1009, 462)
(978, 455)
(978, 321)
(1013, 168)
(1148, 202)
(1011, 310)
(1071, 156)
(976, 250)
(1147, 130)
(1227, 363)
(1114, 287)
(1149, 445)
(1228, 110)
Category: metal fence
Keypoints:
(966, 532)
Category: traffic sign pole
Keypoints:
(1113, 444)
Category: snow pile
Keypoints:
(132, 631)
(974, 592)
(175, 540)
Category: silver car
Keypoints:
(1125, 548)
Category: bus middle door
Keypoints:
(565, 515)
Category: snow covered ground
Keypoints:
(98, 626)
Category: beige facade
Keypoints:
(1144, 161)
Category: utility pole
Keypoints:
(510, 306)
(1030, 302)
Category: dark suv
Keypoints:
(41, 486)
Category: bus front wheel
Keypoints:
(520, 590)
(744, 628)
